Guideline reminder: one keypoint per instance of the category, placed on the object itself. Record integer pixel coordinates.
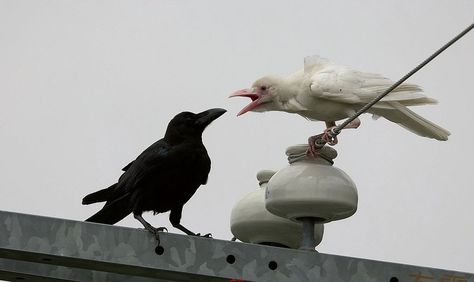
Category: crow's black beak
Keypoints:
(206, 117)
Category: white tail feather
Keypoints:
(408, 119)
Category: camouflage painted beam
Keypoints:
(39, 247)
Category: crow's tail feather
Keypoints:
(113, 212)
(99, 196)
(400, 114)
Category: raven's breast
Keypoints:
(166, 189)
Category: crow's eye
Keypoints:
(263, 88)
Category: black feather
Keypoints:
(99, 196)
(162, 178)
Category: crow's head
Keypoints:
(264, 93)
(189, 125)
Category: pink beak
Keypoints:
(255, 96)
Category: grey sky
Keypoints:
(85, 86)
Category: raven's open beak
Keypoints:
(252, 94)
(206, 117)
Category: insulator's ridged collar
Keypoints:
(298, 152)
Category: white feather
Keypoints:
(328, 92)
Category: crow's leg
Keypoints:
(353, 124)
(175, 218)
(327, 137)
(332, 140)
(313, 150)
(189, 232)
(149, 227)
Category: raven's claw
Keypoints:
(208, 235)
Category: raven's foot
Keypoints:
(208, 235)
(313, 150)
(353, 124)
(189, 232)
(150, 228)
(156, 231)
(327, 137)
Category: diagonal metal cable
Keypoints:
(336, 130)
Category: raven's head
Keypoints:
(189, 125)
(265, 94)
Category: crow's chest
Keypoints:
(174, 185)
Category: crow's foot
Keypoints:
(353, 124)
(314, 147)
(328, 137)
(156, 232)
(208, 235)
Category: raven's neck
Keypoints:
(174, 138)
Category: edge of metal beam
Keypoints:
(68, 250)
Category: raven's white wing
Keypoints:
(345, 85)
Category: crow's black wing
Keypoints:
(118, 204)
(158, 155)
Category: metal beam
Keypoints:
(35, 247)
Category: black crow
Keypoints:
(162, 178)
